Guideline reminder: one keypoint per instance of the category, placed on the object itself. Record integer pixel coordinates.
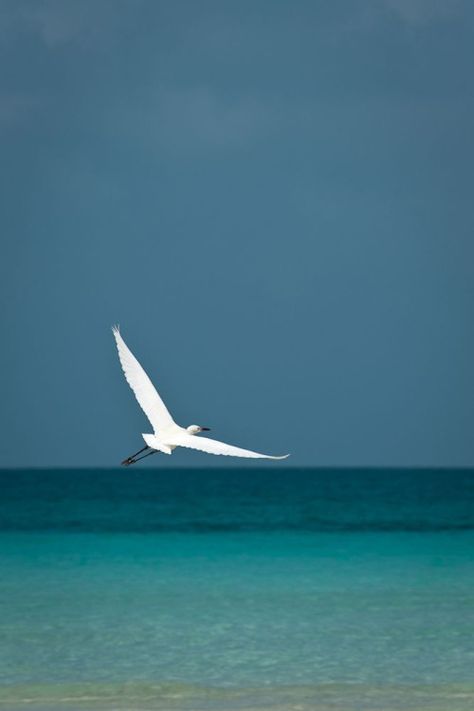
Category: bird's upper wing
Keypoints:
(213, 446)
(148, 399)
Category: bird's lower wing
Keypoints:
(213, 446)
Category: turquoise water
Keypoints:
(237, 589)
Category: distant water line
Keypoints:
(233, 500)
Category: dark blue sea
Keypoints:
(211, 590)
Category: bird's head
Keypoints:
(195, 429)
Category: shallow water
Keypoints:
(237, 589)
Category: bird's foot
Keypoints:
(129, 460)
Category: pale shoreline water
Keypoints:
(326, 697)
(235, 589)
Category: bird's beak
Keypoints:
(205, 429)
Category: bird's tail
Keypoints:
(153, 442)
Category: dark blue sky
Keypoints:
(273, 199)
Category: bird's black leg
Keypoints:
(131, 459)
(153, 451)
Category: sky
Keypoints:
(273, 200)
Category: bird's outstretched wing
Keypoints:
(148, 399)
(213, 446)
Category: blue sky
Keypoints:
(273, 199)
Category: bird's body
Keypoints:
(168, 435)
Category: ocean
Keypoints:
(237, 589)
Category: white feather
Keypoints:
(148, 399)
(213, 446)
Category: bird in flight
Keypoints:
(167, 435)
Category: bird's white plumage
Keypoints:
(148, 399)
(168, 435)
(213, 446)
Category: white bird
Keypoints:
(167, 435)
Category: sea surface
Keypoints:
(227, 589)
